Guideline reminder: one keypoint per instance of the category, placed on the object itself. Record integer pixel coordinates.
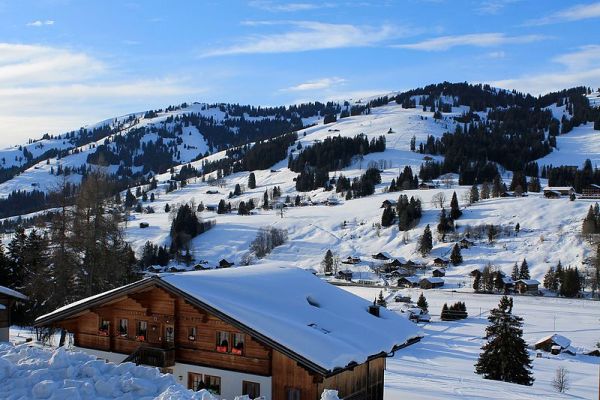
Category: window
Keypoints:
(238, 344)
(169, 334)
(292, 393)
(213, 384)
(195, 382)
(252, 389)
(104, 327)
(123, 327)
(142, 330)
(222, 342)
(192, 333)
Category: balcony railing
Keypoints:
(152, 356)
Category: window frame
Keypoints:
(254, 385)
(104, 328)
(235, 344)
(192, 333)
(222, 336)
(141, 334)
(194, 384)
(217, 383)
(126, 331)
(293, 393)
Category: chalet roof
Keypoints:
(411, 279)
(528, 282)
(559, 340)
(593, 186)
(433, 279)
(320, 326)
(557, 188)
(12, 293)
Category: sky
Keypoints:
(66, 64)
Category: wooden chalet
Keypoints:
(427, 185)
(465, 243)
(395, 263)
(351, 260)
(345, 274)
(591, 191)
(225, 264)
(380, 256)
(290, 337)
(408, 282)
(431, 283)
(438, 272)
(552, 192)
(7, 298)
(527, 286)
(555, 344)
(440, 262)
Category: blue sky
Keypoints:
(67, 63)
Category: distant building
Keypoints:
(438, 272)
(7, 298)
(344, 274)
(552, 192)
(381, 256)
(427, 185)
(591, 192)
(555, 344)
(431, 283)
(465, 243)
(225, 264)
(440, 262)
(527, 286)
(408, 282)
(351, 260)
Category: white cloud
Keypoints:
(306, 36)
(444, 43)
(274, 6)
(576, 13)
(493, 7)
(39, 23)
(317, 84)
(496, 54)
(49, 89)
(580, 68)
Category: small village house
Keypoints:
(8, 297)
(438, 272)
(591, 191)
(225, 264)
(408, 282)
(440, 262)
(527, 286)
(465, 243)
(555, 344)
(345, 274)
(552, 192)
(267, 330)
(381, 256)
(431, 283)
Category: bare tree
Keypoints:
(561, 381)
(438, 200)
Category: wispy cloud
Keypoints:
(580, 67)
(44, 88)
(306, 36)
(278, 6)
(317, 84)
(576, 13)
(39, 23)
(444, 43)
(493, 7)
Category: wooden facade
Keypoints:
(156, 319)
(7, 299)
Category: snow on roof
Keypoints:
(559, 188)
(12, 293)
(273, 301)
(433, 279)
(529, 282)
(412, 279)
(559, 340)
(2, 307)
(319, 322)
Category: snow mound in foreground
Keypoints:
(34, 373)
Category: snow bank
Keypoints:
(34, 373)
(330, 395)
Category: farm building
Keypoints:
(555, 344)
(344, 274)
(210, 330)
(225, 264)
(438, 272)
(557, 191)
(408, 281)
(7, 298)
(527, 286)
(440, 262)
(381, 256)
(431, 283)
(591, 191)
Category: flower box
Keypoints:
(222, 349)
(102, 332)
(191, 338)
(237, 352)
(140, 338)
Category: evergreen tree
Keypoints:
(559, 273)
(221, 207)
(485, 190)
(426, 242)
(524, 271)
(515, 272)
(251, 181)
(130, 199)
(477, 283)
(505, 356)
(388, 216)
(455, 212)
(445, 315)
(456, 256)
(474, 194)
(571, 283)
(297, 200)
(550, 279)
(422, 303)
(266, 200)
(497, 188)
(237, 190)
(381, 300)
(167, 208)
(590, 222)
(517, 228)
(327, 263)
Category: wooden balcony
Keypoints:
(152, 356)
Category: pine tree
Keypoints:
(517, 228)
(505, 356)
(422, 303)
(455, 212)
(571, 283)
(130, 199)
(515, 272)
(381, 300)
(559, 273)
(237, 190)
(589, 222)
(221, 207)
(266, 200)
(445, 315)
(474, 194)
(167, 208)
(485, 191)
(456, 256)
(550, 279)
(426, 242)
(327, 263)
(477, 283)
(497, 188)
(388, 216)
(251, 181)
(524, 271)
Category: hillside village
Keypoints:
(382, 222)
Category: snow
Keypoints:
(331, 330)
(12, 293)
(575, 147)
(36, 373)
(560, 340)
(441, 365)
(529, 282)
